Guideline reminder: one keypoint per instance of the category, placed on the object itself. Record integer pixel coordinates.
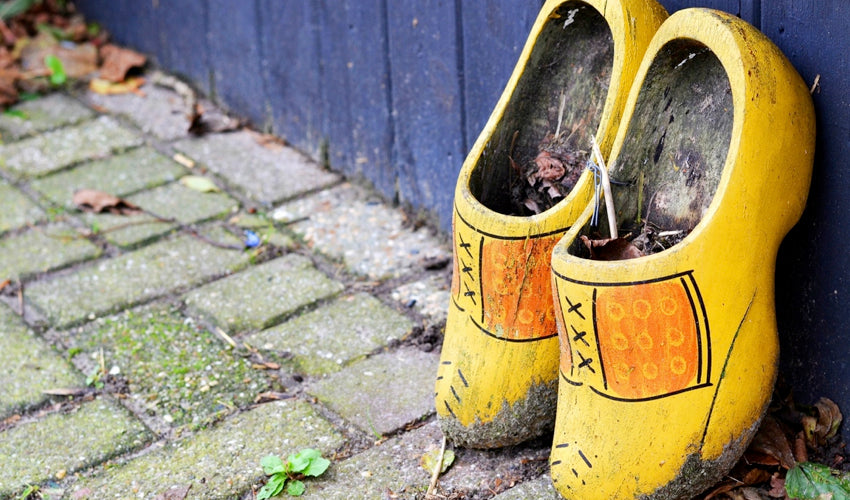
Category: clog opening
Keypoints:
(669, 166)
(530, 162)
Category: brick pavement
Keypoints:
(202, 356)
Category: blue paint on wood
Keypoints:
(356, 90)
(491, 47)
(427, 102)
(234, 56)
(129, 22)
(183, 47)
(292, 71)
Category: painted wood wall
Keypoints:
(396, 91)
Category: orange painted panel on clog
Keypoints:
(648, 338)
(517, 289)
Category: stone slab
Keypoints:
(261, 296)
(540, 488)
(267, 175)
(370, 238)
(16, 209)
(42, 154)
(27, 367)
(219, 463)
(263, 226)
(132, 278)
(326, 339)
(43, 248)
(383, 393)
(429, 296)
(176, 370)
(156, 110)
(34, 452)
(171, 201)
(39, 115)
(119, 175)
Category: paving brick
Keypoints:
(57, 149)
(16, 210)
(263, 227)
(429, 296)
(219, 463)
(36, 451)
(326, 339)
(157, 111)
(345, 223)
(266, 175)
(540, 488)
(171, 201)
(39, 115)
(27, 367)
(120, 175)
(175, 369)
(261, 296)
(43, 248)
(132, 278)
(382, 393)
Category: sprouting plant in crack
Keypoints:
(94, 378)
(306, 463)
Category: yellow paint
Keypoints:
(683, 343)
(500, 338)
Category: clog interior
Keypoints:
(570, 63)
(669, 166)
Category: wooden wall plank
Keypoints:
(234, 57)
(292, 71)
(356, 90)
(427, 102)
(491, 47)
(183, 46)
(130, 22)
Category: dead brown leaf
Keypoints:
(770, 440)
(549, 167)
(78, 60)
(105, 87)
(174, 493)
(777, 487)
(611, 248)
(67, 391)
(4, 284)
(117, 61)
(8, 92)
(825, 426)
(265, 397)
(92, 200)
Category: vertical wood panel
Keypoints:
(130, 22)
(356, 90)
(491, 47)
(291, 55)
(813, 272)
(731, 6)
(427, 102)
(183, 45)
(234, 51)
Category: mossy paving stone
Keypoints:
(260, 296)
(222, 462)
(43, 248)
(171, 201)
(39, 115)
(324, 340)
(33, 452)
(266, 175)
(57, 149)
(111, 284)
(16, 210)
(27, 367)
(371, 239)
(119, 175)
(175, 369)
(382, 393)
(540, 488)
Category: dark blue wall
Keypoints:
(396, 91)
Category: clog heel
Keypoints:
(497, 381)
(668, 359)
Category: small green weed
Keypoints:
(306, 463)
(56, 68)
(30, 490)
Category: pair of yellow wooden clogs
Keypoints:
(654, 371)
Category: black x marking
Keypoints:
(580, 336)
(469, 293)
(574, 308)
(585, 362)
(467, 269)
(464, 244)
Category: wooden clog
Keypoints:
(668, 360)
(498, 371)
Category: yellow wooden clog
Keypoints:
(497, 381)
(668, 360)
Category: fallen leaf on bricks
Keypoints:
(198, 183)
(105, 87)
(118, 61)
(92, 200)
